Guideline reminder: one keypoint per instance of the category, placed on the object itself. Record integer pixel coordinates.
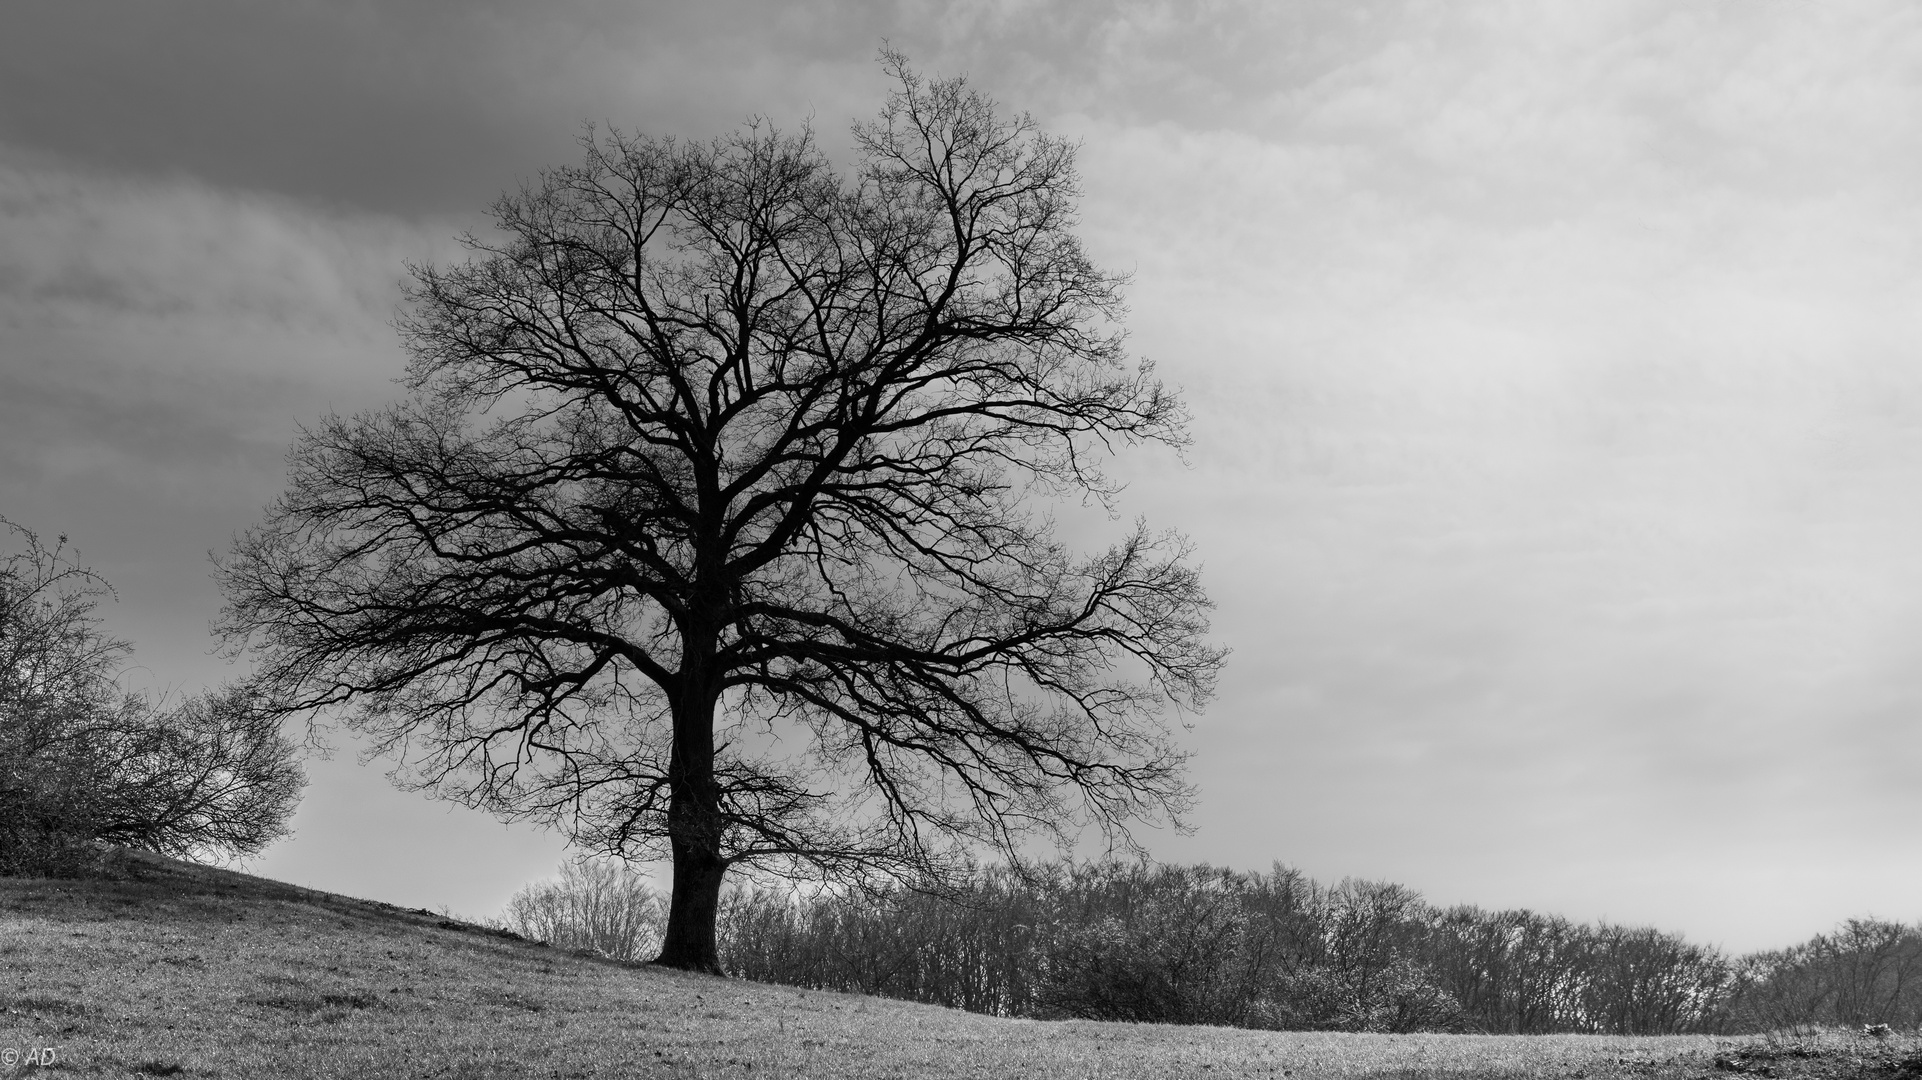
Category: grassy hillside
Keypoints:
(179, 970)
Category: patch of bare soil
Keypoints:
(1832, 1055)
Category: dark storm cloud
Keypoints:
(435, 105)
(418, 106)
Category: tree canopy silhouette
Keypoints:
(708, 527)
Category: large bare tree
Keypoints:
(710, 525)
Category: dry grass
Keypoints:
(176, 970)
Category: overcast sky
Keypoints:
(1556, 371)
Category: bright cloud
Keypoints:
(1557, 394)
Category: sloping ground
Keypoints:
(179, 970)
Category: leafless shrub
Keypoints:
(595, 905)
(84, 765)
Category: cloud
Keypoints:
(159, 339)
(1557, 440)
(155, 328)
(424, 107)
(1557, 413)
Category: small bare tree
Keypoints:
(595, 905)
(83, 764)
(706, 531)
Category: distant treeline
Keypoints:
(1198, 945)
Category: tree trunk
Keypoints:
(694, 825)
(690, 942)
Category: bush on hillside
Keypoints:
(595, 905)
(85, 766)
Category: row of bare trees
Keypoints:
(1211, 946)
(1869, 971)
(1200, 945)
(1277, 950)
(1521, 972)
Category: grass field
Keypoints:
(179, 970)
